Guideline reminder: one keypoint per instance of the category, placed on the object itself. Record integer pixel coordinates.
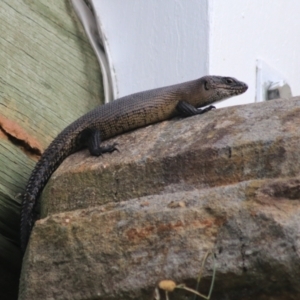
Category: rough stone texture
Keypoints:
(228, 180)
(49, 76)
(221, 147)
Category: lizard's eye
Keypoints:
(206, 85)
(229, 80)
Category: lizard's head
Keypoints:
(217, 88)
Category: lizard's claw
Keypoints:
(209, 108)
(110, 148)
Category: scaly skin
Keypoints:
(127, 113)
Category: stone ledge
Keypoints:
(222, 147)
(227, 181)
(121, 250)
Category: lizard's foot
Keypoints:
(109, 148)
(207, 109)
(187, 110)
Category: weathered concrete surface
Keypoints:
(228, 180)
(49, 76)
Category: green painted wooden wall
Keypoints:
(49, 76)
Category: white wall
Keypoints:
(154, 43)
(243, 31)
(160, 42)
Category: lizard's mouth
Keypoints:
(240, 90)
(245, 88)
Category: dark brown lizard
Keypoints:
(127, 113)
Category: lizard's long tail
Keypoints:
(48, 163)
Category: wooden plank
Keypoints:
(49, 76)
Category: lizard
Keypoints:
(117, 117)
